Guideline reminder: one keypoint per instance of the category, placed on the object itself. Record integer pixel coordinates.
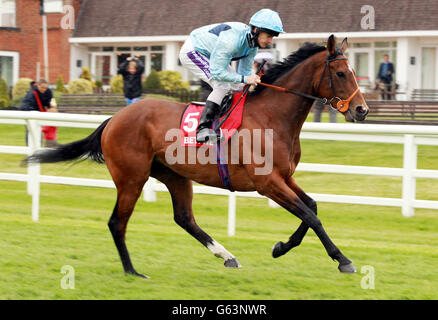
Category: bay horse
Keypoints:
(132, 144)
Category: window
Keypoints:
(157, 61)
(123, 48)
(366, 58)
(140, 48)
(362, 45)
(51, 6)
(6, 69)
(7, 13)
(9, 66)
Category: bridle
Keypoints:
(341, 105)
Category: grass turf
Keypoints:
(72, 231)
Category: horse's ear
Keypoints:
(344, 45)
(331, 44)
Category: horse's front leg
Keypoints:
(278, 190)
(281, 248)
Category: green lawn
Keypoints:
(73, 231)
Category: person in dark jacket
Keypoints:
(40, 98)
(131, 70)
(386, 70)
(29, 102)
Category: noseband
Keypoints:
(341, 105)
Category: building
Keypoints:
(106, 32)
(21, 39)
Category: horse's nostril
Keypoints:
(361, 110)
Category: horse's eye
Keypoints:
(340, 74)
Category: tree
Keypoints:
(60, 84)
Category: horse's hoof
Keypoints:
(134, 273)
(277, 249)
(347, 268)
(232, 263)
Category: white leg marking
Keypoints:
(219, 251)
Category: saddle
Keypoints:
(226, 105)
(191, 114)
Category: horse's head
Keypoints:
(336, 81)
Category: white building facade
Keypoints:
(414, 54)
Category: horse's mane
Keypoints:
(280, 68)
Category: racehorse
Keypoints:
(133, 146)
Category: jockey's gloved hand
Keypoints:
(252, 79)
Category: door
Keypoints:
(362, 68)
(101, 67)
(428, 68)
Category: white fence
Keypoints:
(409, 136)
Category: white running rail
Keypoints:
(409, 136)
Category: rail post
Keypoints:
(149, 194)
(409, 183)
(33, 185)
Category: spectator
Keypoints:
(386, 70)
(40, 98)
(131, 70)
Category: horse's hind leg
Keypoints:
(281, 248)
(181, 191)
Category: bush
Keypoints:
(80, 86)
(116, 84)
(4, 94)
(21, 88)
(86, 74)
(152, 81)
(60, 85)
(172, 81)
(99, 84)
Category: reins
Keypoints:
(342, 105)
(305, 95)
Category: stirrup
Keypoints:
(206, 135)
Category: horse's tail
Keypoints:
(88, 148)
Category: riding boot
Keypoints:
(204, 131)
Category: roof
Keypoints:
(128, 18)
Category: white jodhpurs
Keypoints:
(199, 65)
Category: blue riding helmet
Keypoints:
(267, 20)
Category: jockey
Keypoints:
(209, 50)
